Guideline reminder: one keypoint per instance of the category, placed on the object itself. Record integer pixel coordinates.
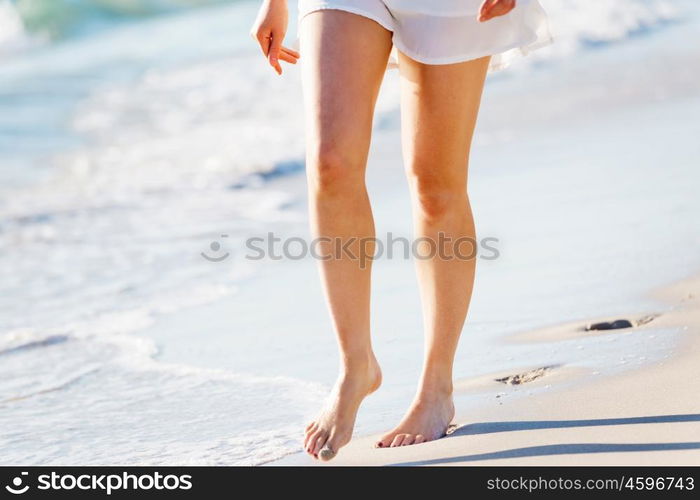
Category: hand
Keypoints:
(269, 30)
(494, 8)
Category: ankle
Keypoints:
(435, 387)
(357, 361)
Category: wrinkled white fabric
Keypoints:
(447, 31)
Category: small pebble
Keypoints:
(610, 325)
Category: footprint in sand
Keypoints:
(528, 376)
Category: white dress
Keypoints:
(447, 31)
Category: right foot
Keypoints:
(333, 427)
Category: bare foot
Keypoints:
(427, 419)
(333, 427)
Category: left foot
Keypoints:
(427, 419)
(333, 428)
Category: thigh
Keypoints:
(343, 57)
(439, 107)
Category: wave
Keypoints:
(109, 391)
(580, 24)
(62, 18)
(13, 35)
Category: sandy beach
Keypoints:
(647, 416)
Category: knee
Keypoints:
(329, 170)
(435, 198)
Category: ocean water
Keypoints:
(133, 135)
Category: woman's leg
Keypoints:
(439, 106)
(344, 57)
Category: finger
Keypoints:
(274, 54)
(485, 7)
(291, 52)
(502, 8)
(495, 8)
(264, 38)
(287, 58)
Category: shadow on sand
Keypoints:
(562, 449)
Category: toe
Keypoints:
(326, 453)
(408, 440)
(311, 442)
(397, 440)
(385, 441)
(420, 438)
(320, 442)
(309, 434)
(336, 440)
(310, 426)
